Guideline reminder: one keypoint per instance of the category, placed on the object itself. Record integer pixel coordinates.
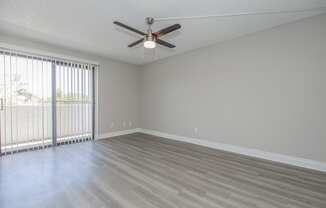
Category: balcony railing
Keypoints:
(30, 126)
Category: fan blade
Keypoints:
(128, 28)
(164, 43)
(167, 30)
(136, 42)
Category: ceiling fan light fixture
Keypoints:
(150, 44)
(149, 41)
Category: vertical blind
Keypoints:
(44, 101)
(73, 101)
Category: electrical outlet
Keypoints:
(130, 123)
(124, 124)
(196, 130)
(112, 125)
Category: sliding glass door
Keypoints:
(44, 102)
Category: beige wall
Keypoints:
(118, 85)
(265, 91)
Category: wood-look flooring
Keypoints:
(143, 171)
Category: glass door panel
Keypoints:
(74, 102)
(25, 92)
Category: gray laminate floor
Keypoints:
(143, 171)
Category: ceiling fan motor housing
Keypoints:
(150, 37)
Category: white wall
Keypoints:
(265, 91)
(118, 83)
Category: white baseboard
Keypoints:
(296, 161)
(117, 133)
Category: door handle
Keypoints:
(1, 104)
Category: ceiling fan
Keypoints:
(150, 38)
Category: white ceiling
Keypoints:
(87, 25)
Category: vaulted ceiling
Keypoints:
(87, 25)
